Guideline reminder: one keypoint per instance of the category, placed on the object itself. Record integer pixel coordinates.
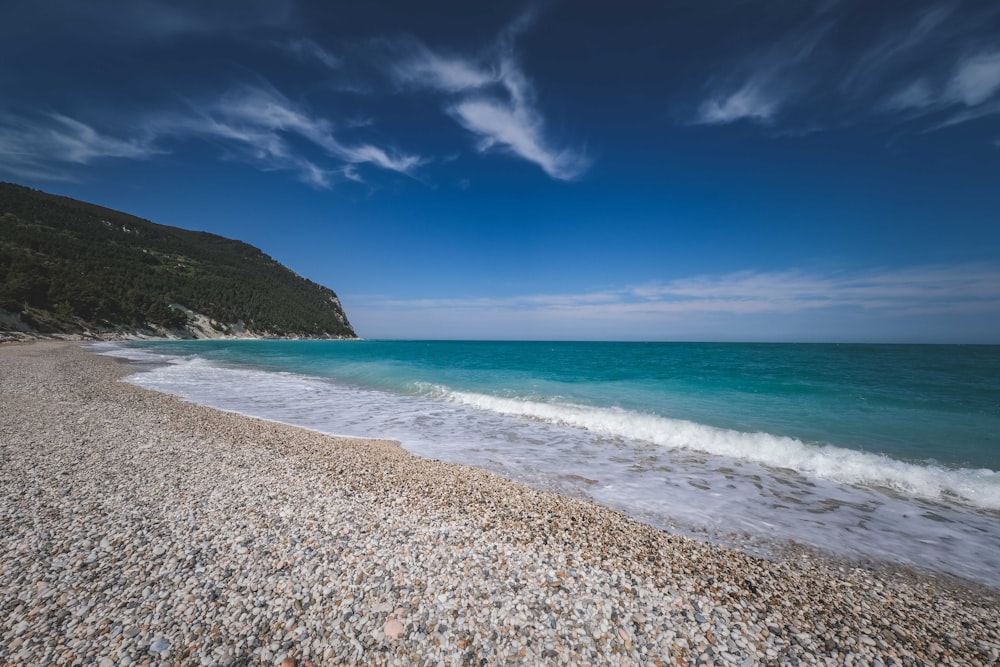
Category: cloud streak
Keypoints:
(261, 121)
(492, 98)
(424, 69)
(890, 293)
(45, 145)
(308, 50)
(256, 124)
(488, 95)
(772, 81)
(976, 80)
(934, 64)
(750, 102)
(140, 20)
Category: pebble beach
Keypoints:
(138, 529)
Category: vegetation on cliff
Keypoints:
(67, 266)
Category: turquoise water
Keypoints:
(831, 443)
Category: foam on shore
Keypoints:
(138, 526)
(754, 491)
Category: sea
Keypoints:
(869, 453)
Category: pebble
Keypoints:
(139, 529)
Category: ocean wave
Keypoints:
(978, 488)
(678, 475)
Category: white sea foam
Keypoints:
(131, 353)
(745, 489)
(979, 488)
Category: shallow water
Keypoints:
(884, 452)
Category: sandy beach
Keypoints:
(136, 528)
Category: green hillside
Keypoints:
(71, 267)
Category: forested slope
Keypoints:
(67, 266)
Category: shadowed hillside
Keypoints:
(67, 266)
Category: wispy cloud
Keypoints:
(148, 19)
(965, 291)
(750, 102)
(898, 48)
(914, 95)
(940, 289)
(491, 97)
(970, 92)
(424, 69)
(487, 94)
(976, 79)
(936, 64)
(771, 79)
(308, 50)
(256, 124)
(931, 288)
(262, 119)
(43, 146)
(516, 129)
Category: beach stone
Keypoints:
(393, 628)
(160, 645)
(234, 539)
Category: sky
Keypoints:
(745, 170)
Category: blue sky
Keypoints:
(681, 170)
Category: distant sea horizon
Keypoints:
(659, 341)
(881, 451)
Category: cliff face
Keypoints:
(72, 268)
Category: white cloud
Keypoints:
(939, 288)
(273, 113)
(971, 92)
(920, 64)
(976, 79)
(765, 81)
(147, 19)
(966, 115)
(253, 123)
(916, 95)
(311, 173)
(350, 172)
(263, 125)
(958, 75)
(78, 142)
(749, 102)
(424, 69)
(492, 98)
(946, 298)
(306, 49)
(903, 41)
(517, 130)
(41, 147)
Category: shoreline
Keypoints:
(17, 336)
(750, 488)
(148, 527)
(768, 549)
